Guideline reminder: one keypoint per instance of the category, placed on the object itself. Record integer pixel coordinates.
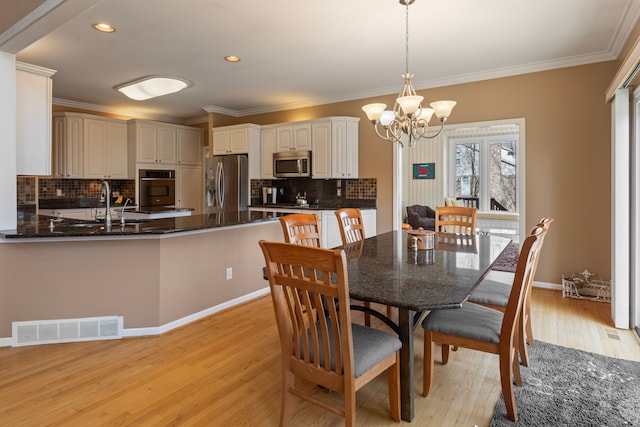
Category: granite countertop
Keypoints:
(78, 203)
(39, 226)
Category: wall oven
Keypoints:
(157, 187)
(292, 164)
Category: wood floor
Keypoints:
(225, 371)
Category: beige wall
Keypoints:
(567, 154)
(149, 282)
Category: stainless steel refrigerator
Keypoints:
(226, 183)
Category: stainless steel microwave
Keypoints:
(288, 164)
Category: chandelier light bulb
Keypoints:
(373, 111)
(443, 108)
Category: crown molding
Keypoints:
(117, 111)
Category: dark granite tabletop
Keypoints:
(387, 272)
(39, 226)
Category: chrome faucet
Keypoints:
(123, 208)
(105, 196)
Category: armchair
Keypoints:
(421, 216)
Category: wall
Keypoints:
(567, 154)
(150, 282)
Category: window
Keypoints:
(484, 173)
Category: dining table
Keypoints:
(388, 269)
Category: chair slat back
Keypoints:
(317, 342)
(351, 225)
(456, 220)
(302, 229)
(522, 281)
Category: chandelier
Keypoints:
(408, 117)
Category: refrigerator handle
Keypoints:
(220, 181)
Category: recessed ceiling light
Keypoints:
(153, 86)
(105, 28)
(231, 58)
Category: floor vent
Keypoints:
(612, 334)
(67, 330)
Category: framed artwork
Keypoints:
(424, 171)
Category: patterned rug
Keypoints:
(509, 259)
(568, 387)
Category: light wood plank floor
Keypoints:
(225, 371)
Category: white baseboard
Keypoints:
(157, 330)
(547, 285)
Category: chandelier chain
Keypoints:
(406, 37)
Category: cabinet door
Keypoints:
(284, 138)
(302, 136)
(321, 157)
(74, 148)
(146, 135)
(238, 141)
(95, 148)
(59, 152)
(344, 149)
(369, 218)
(33, 121)
(220, 142)
(267, 148)
(166, 145)
(330, 230)
(189, 147)
(189, 186)
(116, 155)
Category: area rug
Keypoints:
(508, 260)
(568, 387)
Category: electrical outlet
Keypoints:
(339, 192)
(58, 192)
(229, 273)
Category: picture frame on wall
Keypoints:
(424, 171)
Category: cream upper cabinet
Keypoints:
(68, 145)
(335, 148)
(267, 148)
(152, 142)
(189, 146)
(321, 147)
(33, 119)
(293, 137)
(235, 139)
(88, 146)
(105, 148)
(166, 144)
(344, 148)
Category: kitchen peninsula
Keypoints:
(157, 274)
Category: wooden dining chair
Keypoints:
(495, 294)
(302, 229)
(326, 349)
(351, 231)
(484, 329)
(456, 220)
(351, 225)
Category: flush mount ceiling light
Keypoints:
(408, 117)
(104, 27)
(153, 86)
(231, 58)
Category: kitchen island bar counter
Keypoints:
(38, 226)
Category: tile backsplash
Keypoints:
(318, 190)
(29, 190)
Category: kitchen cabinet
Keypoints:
(189, 146)
(236, 139)
(88, 146)
(293, 137)
(267, 148)
(105, 148)
(152, 142)
(335, 148)
(68, 145)
(189, 188)
(33, 119)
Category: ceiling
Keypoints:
(301, 53)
